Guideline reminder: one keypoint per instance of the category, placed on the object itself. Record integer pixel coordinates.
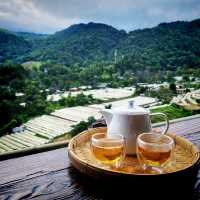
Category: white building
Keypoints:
(178, 78)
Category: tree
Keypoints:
(172, 87)
(186, 78)
(81, 126)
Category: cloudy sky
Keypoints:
(48, 16)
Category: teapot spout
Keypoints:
(107, 115)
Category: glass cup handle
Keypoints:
(166, 121)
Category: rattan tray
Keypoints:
(186, 157)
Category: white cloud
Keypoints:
(24, 15)
(54, 15)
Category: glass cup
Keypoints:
(108, 149)
(154, 151)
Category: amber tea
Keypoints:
(108, 150)
(154, 150)
(153, 158)
(108, 154)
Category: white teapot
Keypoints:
(130, 121)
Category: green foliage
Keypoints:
(8, 127)
(15, 78)
(81, 126)
(172, 112)
(163, 94)
(109, 106)
(141, 90)
(83, 54)
(172, 87)
(12, 47)
(12, 75)
(12, 80)
(166, 46)
(78, 100)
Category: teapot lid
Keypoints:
(130, 109)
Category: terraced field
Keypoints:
(190, 101)
(42, 130)
(38, 131)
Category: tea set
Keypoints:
(130, 121)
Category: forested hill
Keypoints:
(81, 43)
(168, 45)
(13, 47)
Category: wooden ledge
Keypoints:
(177, 120)
(33, 150)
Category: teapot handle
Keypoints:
(166, 121)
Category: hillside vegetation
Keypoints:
(166, 46)
(36, 65)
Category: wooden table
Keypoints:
(49, 175)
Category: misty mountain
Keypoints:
(168, 45)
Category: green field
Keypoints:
(173, 112)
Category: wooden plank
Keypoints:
(41, 180)
(32, 163)
(49, 176)
(185, 127)
(33, 150)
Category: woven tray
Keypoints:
(186, 157)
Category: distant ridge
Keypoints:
(167, 46)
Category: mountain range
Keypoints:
(168, 45)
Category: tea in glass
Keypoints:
(108, 149)
(154, 150)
